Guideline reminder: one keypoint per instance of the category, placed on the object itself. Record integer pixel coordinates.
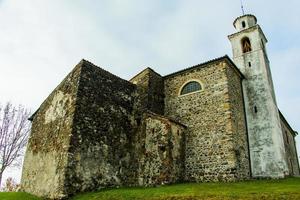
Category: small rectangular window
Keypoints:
(244, 24)
(249, 64)
(255, 109)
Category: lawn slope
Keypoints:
(263, 189)
(260, 190)
(17, 195)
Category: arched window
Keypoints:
(246, 45)
(190, 87)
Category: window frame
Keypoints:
(243, 40)
(187, 82)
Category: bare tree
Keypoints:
(14, 131)
(10, 185)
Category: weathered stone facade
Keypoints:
(215, 119)
(290, 147)
(100, 152)
(149, 91)
(90, 134)
(96, 130)
(44, 170)
(160, 150)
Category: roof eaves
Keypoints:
(195, 66)
(147, 68)
(286, 122)
(249, 15)
(235, 67)
(83, 62)
(252, 27)
(148, 112)
(226, 57)
(33, 115)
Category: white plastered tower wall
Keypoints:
(266, 143)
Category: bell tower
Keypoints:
(266, 144)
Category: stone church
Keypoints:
(215, 121)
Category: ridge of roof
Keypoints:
(226, 57)
(84, 61)
(147, 68)
(148, 112)
(287, 123)
(81, 64)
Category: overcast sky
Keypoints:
(42, 40)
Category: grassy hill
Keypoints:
(17, 195)
(266, 189)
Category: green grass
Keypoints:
(260, 190)
(266, 189)
(17, 195)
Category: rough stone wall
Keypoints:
(239, 126)
(90, 134)
(47, 151)
(149, 91)
(290, 148)
(160, 149)
(113, 144)
(101, 149)
(210, 146)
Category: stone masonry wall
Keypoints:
(239, 126)
(156, 93)
(97, 130)
(47, 151)
(160, 150)
(209, 117)
(290, 148)
(101, 150)
(149, 91)
(91, 133)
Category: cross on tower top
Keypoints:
(242, 7)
